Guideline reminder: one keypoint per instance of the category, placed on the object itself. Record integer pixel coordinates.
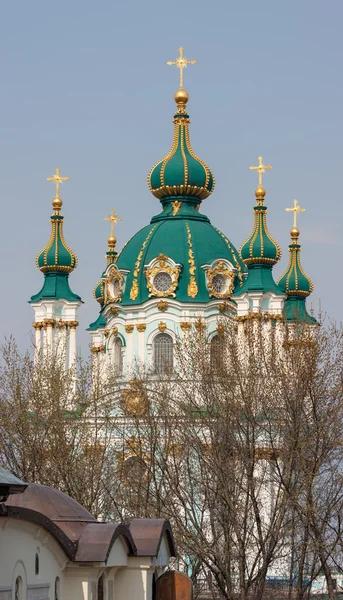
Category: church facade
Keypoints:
(179, 272)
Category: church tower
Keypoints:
(294, 281)
(260, 296)
(55, 306)
(175, 275)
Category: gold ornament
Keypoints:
(199, 325)
(134, 287)
(220, 269)
(185, 326)
(141, 327)
(114, 310)
(107, 333)
(57, 178)
(134, 400)
(162, 267)
(192, 289)
(181, 63)
(113, 277)
(176, 205)
(162, 305)
(261, 169)
(223, 307)
(295, 209)
(115, 331)
(162, 326)
(129, 328)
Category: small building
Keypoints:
(52, 548)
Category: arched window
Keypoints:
(118, 356)
(18, 589)
(100, 594)
(57, 588)
(217, 356)
(37, 564)
(163, 353)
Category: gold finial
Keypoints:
(58, 179)
(295, 231)
(181, 63)
(295, 209)
(261, 168)
(113, 219)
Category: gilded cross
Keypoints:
(58, 179)
(295, 209)
(113, 220)
(181, 63)
(261, 168)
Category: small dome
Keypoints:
(294, 281)
(99, 292)
(56, 256)
(260, 247)
(181, 172)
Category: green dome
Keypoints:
(56, 256)
(294, 280)
(181, 172)
(99, 292)
(260, 247)
(179, 237)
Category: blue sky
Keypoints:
(85, 86)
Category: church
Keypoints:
(177, 273)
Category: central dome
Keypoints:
(189, 240)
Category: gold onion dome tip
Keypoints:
(294, 280)
(180, 173)
(111, 257)
(260, 248)
(56, 256)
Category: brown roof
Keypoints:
(148, 535)
(97, 539)
(51, 503)
(81, 536)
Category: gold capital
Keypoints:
(181, 63)
(57, 178)
(261, 168)
(113, 220)
(295, 209)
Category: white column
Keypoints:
(60, 340)
(129, 345)
(38, 336)
(141, 338)
(38, 340)
(72, 343)
(49, 334)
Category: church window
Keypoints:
(216, 351)
(118, 356)
(37, 564)
(163, 353)
(18, 589)
(57, 588)
(100, 594)
(219, 283)
(163, 281)
(115, 287)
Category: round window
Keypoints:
(162, 281)
(219, 283)
(114, 288)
